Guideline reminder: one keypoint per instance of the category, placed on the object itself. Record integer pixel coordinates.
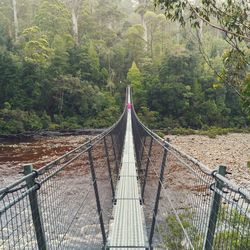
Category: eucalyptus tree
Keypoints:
(75, 7)
(53, 18)
(231, 19)
(16, 25)
(135, 42)
(141, 10)
(154, 22)
(8, 18)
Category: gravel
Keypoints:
(232, 151)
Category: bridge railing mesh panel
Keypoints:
(197, 208)
(55, 206)
(17, 231)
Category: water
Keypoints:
(38, 151)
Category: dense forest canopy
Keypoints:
(65, 63)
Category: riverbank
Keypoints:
(231, 150)
(38, 151)
(49, 133)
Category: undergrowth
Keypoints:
(211, 132)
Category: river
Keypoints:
(38, 151)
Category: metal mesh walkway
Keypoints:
(128, 228)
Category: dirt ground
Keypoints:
(232, 151)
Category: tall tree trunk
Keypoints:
(91, 6)
(142, 10)
(74, 6)
(143, 23)
(75, 24)
(201, 30)
(15, 19)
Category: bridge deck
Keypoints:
(128, 228)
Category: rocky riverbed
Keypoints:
(38, 151)
(232, 150)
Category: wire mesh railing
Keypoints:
(67, 204)
(54, 207)
(188, 206)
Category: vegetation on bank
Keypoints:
(211, 132)
(71, 70)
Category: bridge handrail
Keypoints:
(205, 169)
(34, 198)
(233, 186)
(95, 140)
(208, 210)
(209, 197)
(80, 150)
(165, 144)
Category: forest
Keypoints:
(64, 64)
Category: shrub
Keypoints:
(183, 131)
(248, 165)
(45, 120)
(32, 122)
(70, 123)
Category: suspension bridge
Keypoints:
(126, 188)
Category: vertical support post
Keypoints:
(98, 204)
(146, 170)
(109, 168)
(136, 143)
(142, 152)
(214, 211)
(116, 163)
(35, 211)
(163, 164)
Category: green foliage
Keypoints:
(36, 47)
(109, 114)
(248, 165)
(134, 77)
(211, 132)
(237, 234)
(53, 18)
(147, 116)
(230, 19)
(104, 119)
(51, 77)
(172, 232)
(231, 15)
(186, 95)
(70, 123)
(17, 121)
(159, 133)
(135, 42)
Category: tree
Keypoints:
(36, 47)
(134, 77)
(142, 8)
(78, 55)
(75, 7)
(153, 23)
(16, 25)
(179, 65)
(135, 42)
(9, 78)
(53, 18)
(230, 18)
